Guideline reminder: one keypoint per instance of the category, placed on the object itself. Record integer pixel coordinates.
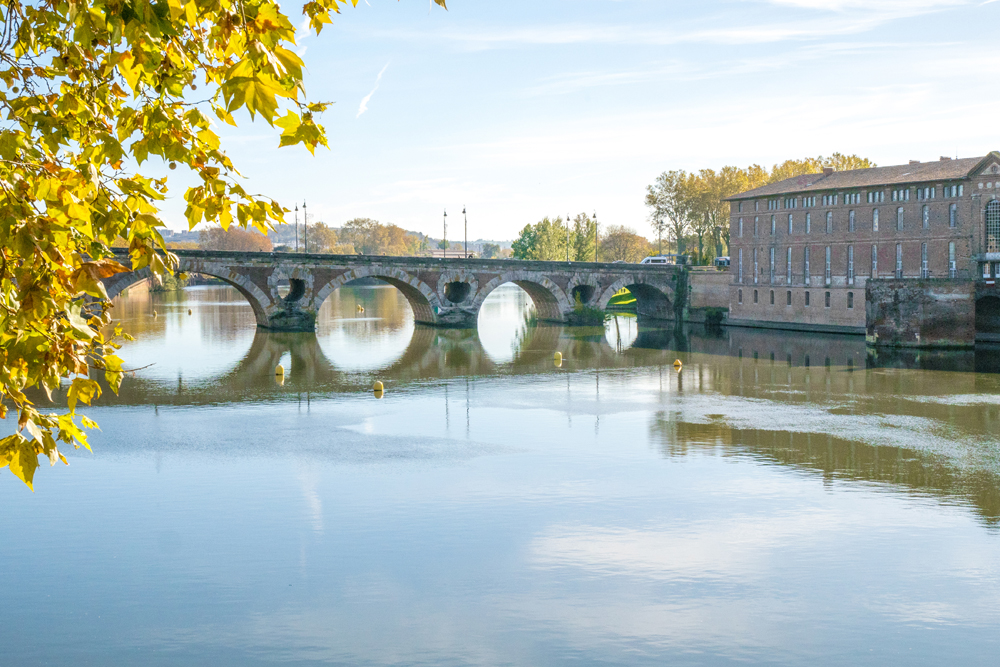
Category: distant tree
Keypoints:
(669, 202)
(443, 244)
(620, 243)
(584, 236)
(491, 251)
(325, 239)
(234, 238)
(545, 240)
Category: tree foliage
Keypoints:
(623, 244)
(234, 238)
(683, 204)
(371, 237)
(90, 93)
(548, 239)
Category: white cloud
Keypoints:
(367, 98)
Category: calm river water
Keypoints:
(782, 500)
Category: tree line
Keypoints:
(688, 211)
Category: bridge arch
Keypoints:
(120, 282)
(422, 299)
(550, 301)
(651, 300)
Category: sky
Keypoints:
(523, 109)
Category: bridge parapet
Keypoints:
(441, 291)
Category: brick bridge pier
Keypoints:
(441, 292)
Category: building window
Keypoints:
(874, 261)
(755, 221)
(850, 221)
(850, 299)
(953, 215)
(826, 300)
(739, 296)
(788, 298)
(772, 297)
(739, 207)
(924, 272)
(788, 266)
(926, 193)
(830, 200)
(902, 194)
(993, 226)
(808, 201)
(755, 296)
(740, 230)
(772, 265)
(876, 197)
(756, 206)
(899, 219)
(850, 265)
(791, 202)
(926, 216)
(852, 198)
(740, 264)
(829, 222)
(756, 267)
(807, 298)
(772, 225)
(809, 220)
(952, 268)
(789, 223)
(899, 260)
(826, 271)
(806, 272)
(875, 220)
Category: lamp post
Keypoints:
(444, 241)
(296, 228)
(567, 237)
(466, 232)
(305, 227)
(596, 239)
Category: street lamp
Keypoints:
(305, 227)
(444, 241)
(596, 246)
(567, 237)
(466, 233)
(296, 228)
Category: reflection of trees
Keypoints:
(833, 458)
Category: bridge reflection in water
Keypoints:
(819, 404)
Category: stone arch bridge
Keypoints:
(286, 290)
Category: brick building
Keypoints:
(803, 249)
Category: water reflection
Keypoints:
(781, 499)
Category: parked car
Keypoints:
(666, 259)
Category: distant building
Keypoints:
(803, 249)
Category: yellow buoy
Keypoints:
(378, 386)
(557, 359)
(279, 370)
(279, 380)
(677, 364)
(189, 311)
(154, 314)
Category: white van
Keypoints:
(659, 259)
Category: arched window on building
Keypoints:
(899, 219)
(829, 222)
(875, 220)
(993, 226)
(789, 223)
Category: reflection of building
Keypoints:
(803, 249)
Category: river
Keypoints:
(778, 500)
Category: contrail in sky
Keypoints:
(364, 103)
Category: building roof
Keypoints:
(915, 172)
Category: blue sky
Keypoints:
(522, 109)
